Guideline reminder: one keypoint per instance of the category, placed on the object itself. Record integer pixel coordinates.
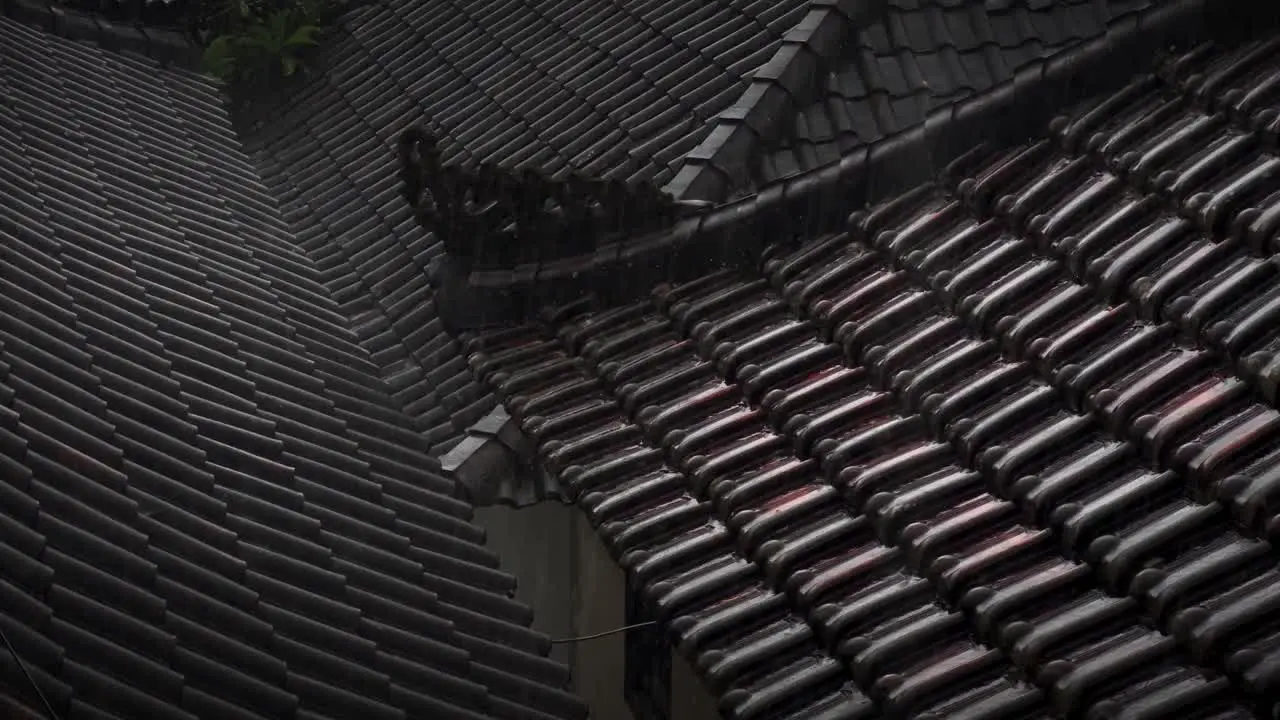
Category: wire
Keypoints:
(606, 633)
(23, 667)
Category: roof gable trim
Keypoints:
(735, 233)
(787, 81)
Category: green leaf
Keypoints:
(259, 40)
(304, 36)
(220, 57)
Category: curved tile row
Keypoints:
(621, 341)
(687, 556)
(1174, 274)
(995, 284)
(1205, 154)
(959, 371)
(617, 342)
(1093, 521)
(612, 89)
(789, 519)
(984, 558)
(1094, 354)
(210, 505)
(923, 55)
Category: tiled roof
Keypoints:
(150, 28)
(611, 89)
(335, 175)
(607, 89)
(852, 74)
(920, 55)
(734, 233)
(1006, 447)
(211, 505)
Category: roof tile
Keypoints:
(986, 393)
(180, 407)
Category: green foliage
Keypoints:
(253, 42)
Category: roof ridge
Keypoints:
(788, 80)
(803, 203)
(940, 421)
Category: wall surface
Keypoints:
(565, 573)
(536, 544)
(599, 604)
(574, 587)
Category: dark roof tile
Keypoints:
(1019, 417)
(102, 690)
(915, 58)
(204, 672)
(23, 568)
(976, 378)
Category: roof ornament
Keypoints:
(493, 217)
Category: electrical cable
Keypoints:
(30, 678)
(606, 633)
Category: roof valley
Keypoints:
(336, 176)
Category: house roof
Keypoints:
(734, 232)
(334, 176)
(915, 57)
(612, 90)
(486, 86)
(225, 376)
(854, 73)
(1005, 446)
(213, 503)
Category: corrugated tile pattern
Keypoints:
(618, 89)
(335, 176)
(744, 549)
(210, 507)
(735, 233)
(1018, 425)
(921, 55)
(149, 28)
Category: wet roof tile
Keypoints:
(919, 56)
(1020, 420)
(207, 478)
(504, 64)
